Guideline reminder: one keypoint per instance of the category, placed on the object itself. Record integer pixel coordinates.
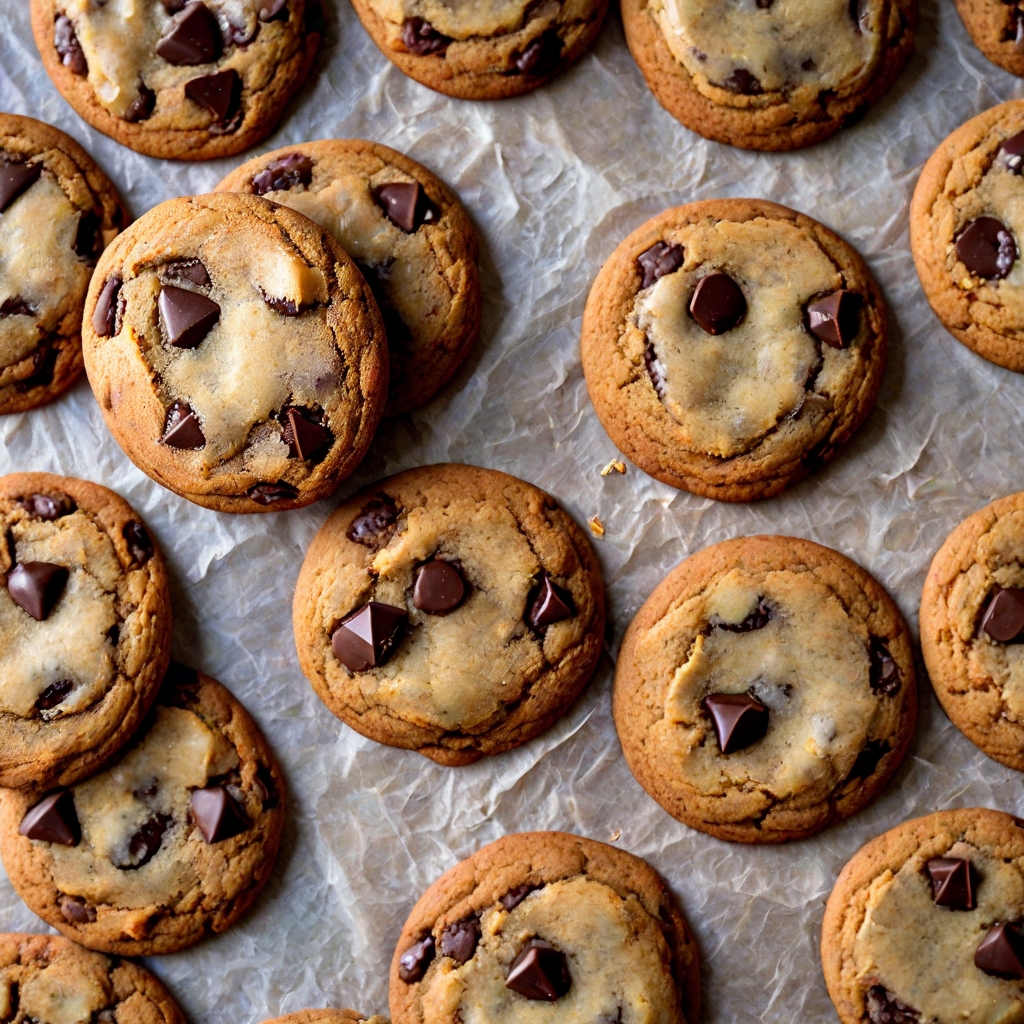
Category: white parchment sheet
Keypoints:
(553, 182)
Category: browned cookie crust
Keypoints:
(171, 106)
(261, 386)
(627, 949)
(508, 47)
(55, 222)
(697, 410)
(77, 683)
(997, 28)
(795, 628)
(479, 674)
(146, 863)
(423, 271)
(327, 1017)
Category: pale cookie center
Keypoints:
(68, 991)
(458, 19)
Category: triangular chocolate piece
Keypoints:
(952, 882)
(1003, 620)
(193, 38)
(37, 587)
(833, 318)
(53, 820)
(218, 815)
(188, 316)
(539, 972)
(304, 436)
(552, 604)
(739, 719)
(15, 179)
(219, 93)
(182, 429)
(1001, 952)
(406, 205)
(365, 639)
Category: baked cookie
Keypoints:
(408, 235)
(966, 230)
(546, 917)
(775, 75)
(85, 627)
(327, 1017)
(765, 690)
(57, 212)
(732, 346)
(997, 28)
(924, 923)
(170, 843)
(179, 79)
(48, 980)
(236, 352)
(482, 51)
(450, 610)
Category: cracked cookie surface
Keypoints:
(808, 647)
(997, 28)
(451, 673)
(624, 947)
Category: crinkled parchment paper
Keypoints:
(554, 181)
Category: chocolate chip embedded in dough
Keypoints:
(986, 247)
(654, 369)
(413, 963)
(282, 174)
(661, 259)
(303, 434)
(52, 696)
(718, 303)
(439, 589)
(1001, 952)
(868, 758)
(1003, 619)
(44, 362)
(366, 638)
(219, 93)
(552, 604)
(952, 882)
(182, 429)
(539, 972)
(269, 494)
(515, 896)
(104, 316)
(884, 1008)
(834, 318)
(141, 108)
(144, 844)
(740, 720)
(406, 205)
(15, 179)
(186, 270)
(140, 544)
(15, 305)
(188, 317)
(87, 237)
(743, 82)
(420, 37)
(884, 673)
(757, 619)
(53, 820)
(192, 38)
(374, 523)
(218, 814)
(37, 587)
(1011, 153)
(75, 911)
(459, 940)
(47, 507)
(66, 43)
(541, 55)
(265, 788)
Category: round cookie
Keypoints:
(409, 236)
(179, 79)
(482, 51)
(327, 1017)
(170, 843)
(732, 346)
(85, 627)
(49, 980)
(775, 76)
(966, 233)
(997, 28)
(765, 690)
(236, 352)
(546, 917)
(57, 212)
(450, 610)
(924, 923)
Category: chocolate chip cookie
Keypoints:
(997, 28)
(924, 923)
(546, 917)
(179, 79)
(450, 610)
(236, 352)
(732, 346)
(765, 690)
(85, 627)
(58, 211)
(482, 51)
(170, 843)
(48, 980)
(327, 1017)
(409, 236)
(966, 229)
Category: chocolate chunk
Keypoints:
(986, 247)
(282, 174)
(884, 1008)
(54, 694)
(47, 507)
(459, 940)
(265, 788)
(182, 429)
(37, 587)
(53, 820)
(44, 361)
(219, 93)
(374, 523)
(192, 38)
(884, 673)
(218, 815)
(515, 896)
(1003, 619)
(16, 306)
(304, 435)
(868, 758)
(439, 589)
(834, 318)
(420, 37)
(661, 259)
(539, 972)
(654, 369)
(144, 844)
(66, 43)
(141, 108)
(1011, 153)
(541, 55)
(186, 270)
(718, 304)
(87, 237)
(743, 82)
(406, 205)
(15, 179)
(413, 963)
(138, 540)
(552, 604)
(286, 307)
(952, 882)
(75, 911)
(757, 619)
(188, 316)
(740, 720)
(366, 638)
(1001, 952)
(268, 494)
(273, 10)
(104, 316)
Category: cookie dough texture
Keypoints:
(997, 28)
(837, 728)
(50, 980)
(327, 1017)
(885, 939)
(478, 680)
(109, 70)
(426, 281)
(488, 43)
(114, 893)
(770, 76)
(325, 355)
(965, 179)
(50, 237)
(630, 954)
(744, 414)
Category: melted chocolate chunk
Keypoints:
(75, 911)
(16, 179)
(834, 318)
(104, 316)
(406, 205)
(740, 720)
(884, 1008)
(743, 82)
(141, 108)
(54, 694)
(66, 43)
(1011, 153)
(192, 38)
(420, 37)
(661, 259)
(416, 959)
(188, 317)
(654, 369)
(37, 587)
(16, 306)
(53, 820)
(374, 523)
(541, 55)
(539, 972)
(47, 507)
(44, 362)
(270, 494)
(757, 619)
(1003, 619)
(87, 237)
(439, 589)
(266, 791)
(868, 759)
(304, 434)
(285, 173)
(459, 940)
(220, 94)
(515, 896)
(718, 304)
(182, 429)
(218, 815)
(552, 604)
(139, 542)
(986, 247)
(143, 846)
(193, 271)
(885, 675)
(366, 638)
(953, 882)
(1001, 952)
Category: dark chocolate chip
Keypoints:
(884, 674)
(53, 820)
(286, 307)
(138, 540)
(539, 972)
(374, 523)
(192, 38)
(757, 619)
(182, 429)
(47, 507)
(44, 362)
(76, 911)
(220, 94)
(986, 247)
(413, 963)
(272, 10)
(187, 316)
(15, 179)
(654, 369)
(1003, 619)
(884, 1008)
(141, 108)
(1011, 152)
(145, 843)
(406, 205)
(834, 318)
(661, 259)
(16, 306)
(1001, 952)
(104, 316)
(266, 791)
(552, 604)
(515, 896)
(868, 758)
(87, 237)
(459, 940)
(740, 720)
(952, 882)
(439, 589)
(541, 55)
(420, 37)
(270, 494)
(193, 271)
(218, 815)
(304, 434)
(718, 304)
(65, 42)
(366, 638)
(54, 694)
(37, 587)
(284, 173)
(743, 82)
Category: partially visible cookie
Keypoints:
(997, 28)
(450, 610)
(546, 926)
(732, 346)
(407, 233)
(170, 843)
(327, 1017)
(58, 211)
(45, 979)
(179, 79)
(924, 923)
(765, 690)
(482, 51)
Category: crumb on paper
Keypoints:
(614, 837)
(616, 464)
(596, 526)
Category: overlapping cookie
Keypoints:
(997, 28)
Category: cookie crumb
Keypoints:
(596, 526)
(617, 465)
(614, 837)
